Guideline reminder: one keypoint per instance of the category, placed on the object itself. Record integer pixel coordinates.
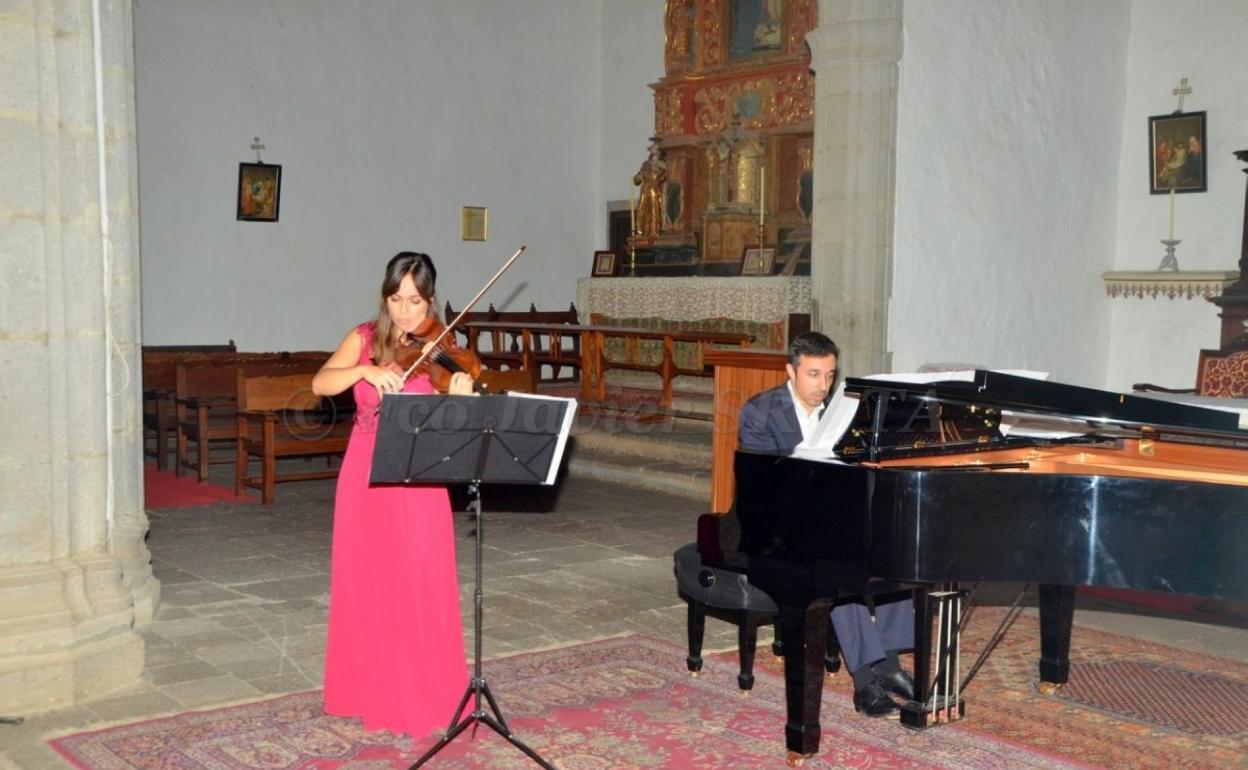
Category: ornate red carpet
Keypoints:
(1129, 704)
(617, 704)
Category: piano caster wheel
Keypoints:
(795, 760)
(1048, 688)
(694, 674)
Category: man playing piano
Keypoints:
(776, 421)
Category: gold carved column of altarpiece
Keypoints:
(737, 97)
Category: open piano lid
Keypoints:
(960, 416)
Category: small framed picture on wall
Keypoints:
(1176, 158)
(259, 192)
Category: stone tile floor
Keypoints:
(245, 593)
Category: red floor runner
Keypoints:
(1188, 607)
(162, 489)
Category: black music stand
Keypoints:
(425, 439)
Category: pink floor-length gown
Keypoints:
(395, 651)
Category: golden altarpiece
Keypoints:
(731, 161)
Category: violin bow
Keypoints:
(451, 326)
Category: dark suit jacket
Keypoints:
(769, 422)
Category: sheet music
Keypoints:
(568, 416)
(840, 412)
(836, 419)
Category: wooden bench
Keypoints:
(506, 349)
(156, 367)
(204, 402)
(500, 381)
(278, 416)
(159, 393)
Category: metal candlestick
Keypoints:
(632, 253)
(1169, 262)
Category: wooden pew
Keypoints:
(159, 414)
(156, 367)
(506, 348)
(551, 350)
(205, 402)
(279, 416)
(499, 381)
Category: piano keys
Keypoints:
(930, 489)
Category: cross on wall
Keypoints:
(1181, 91)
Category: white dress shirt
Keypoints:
(807, 421)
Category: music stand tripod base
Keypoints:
(490, 438)
(477, 686)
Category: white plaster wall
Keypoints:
(1010, 115)
(632, 58)
(1157, 340)
(387, 116)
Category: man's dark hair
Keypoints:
(813, 344)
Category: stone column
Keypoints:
(855, 51)
(74, 571)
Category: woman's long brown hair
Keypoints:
(424, 275)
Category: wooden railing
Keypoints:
(543, 344)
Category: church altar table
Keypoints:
(762, 300)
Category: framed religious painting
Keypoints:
(259, 192)
(1176, 157)
(606, 264)
(758, 260)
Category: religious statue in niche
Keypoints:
(733, 162)
(718, 155)
(651, 176)
(755, 29)
(805, 183)
(681, 33)
(748, 161)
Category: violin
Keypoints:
(442, 363)
(440, 357)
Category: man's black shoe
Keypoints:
(873, 701)
(898, 683)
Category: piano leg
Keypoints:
(1057, 612)
(915, 713)
(805, 632)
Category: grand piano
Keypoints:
(996, 478)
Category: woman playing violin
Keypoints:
(395, 653)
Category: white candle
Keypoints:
(1172, 213)
(762, 187)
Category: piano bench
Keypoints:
(727, 594)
